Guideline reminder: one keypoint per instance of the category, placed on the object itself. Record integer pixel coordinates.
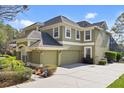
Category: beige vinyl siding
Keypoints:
(73, 33)
(70, 57)
(101, 45)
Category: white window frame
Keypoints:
(90, 52)
(90, 35)
(66, 32)
(54, 32)
(76, 35)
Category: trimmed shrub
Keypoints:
(122, 53)
(102, 62)
(13, 71)
(111, 56)
(51, 68)
(11, 64)
(8, 78)
(119, 56)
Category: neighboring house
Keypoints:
(11, 49)
(61, 41)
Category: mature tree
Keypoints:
(10, 11)
(3, 40)
(7, 33)
(118, 29)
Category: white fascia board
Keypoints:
(76, 43)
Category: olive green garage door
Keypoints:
(49, 57)
(70, 57)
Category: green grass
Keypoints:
(119, 83)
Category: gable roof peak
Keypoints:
(101, 24)
(84, 23)
(59, 19)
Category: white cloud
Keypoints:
(18, 24)
(90, 15)
(26, 22)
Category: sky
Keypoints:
(91, 13)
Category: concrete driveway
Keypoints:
(79, 76)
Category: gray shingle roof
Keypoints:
(84, 24)
(24, 33)
(59, 19)
(99, 23)
(53, 21)
(49, 40)
(87, 24)
(46, 39)
(36, 44)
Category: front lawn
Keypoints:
(119, 83)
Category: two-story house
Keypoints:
(62, 41)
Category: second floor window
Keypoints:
(56, 32)
(77, 34)
(68, 33)
(87, 35)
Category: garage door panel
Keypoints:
(49, 57)
(69, 57)
(35, 57)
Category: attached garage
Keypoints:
(49, 57)
(55, 57)
(70, 57)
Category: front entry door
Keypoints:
(87, 52)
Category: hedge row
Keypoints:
(113, 56)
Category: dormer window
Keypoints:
(87, 35)
(56, 32)
(77, 35)
(68, 33)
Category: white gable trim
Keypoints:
(76, 43)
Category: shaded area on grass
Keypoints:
(119, 83)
